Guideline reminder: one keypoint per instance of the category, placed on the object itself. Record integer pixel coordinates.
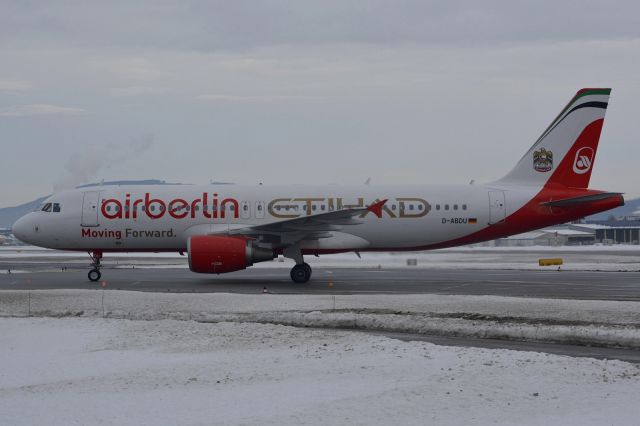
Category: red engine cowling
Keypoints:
(212, 254)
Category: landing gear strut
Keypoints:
(301, 273)
(94, 274)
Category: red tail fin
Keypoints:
(574, 171)
(564, 154)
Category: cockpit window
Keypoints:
(46, 207)
(56, 207)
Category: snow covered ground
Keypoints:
(167, 372)
(593, 322)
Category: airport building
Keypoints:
(576, 234)
(548, 237)
(615, 231)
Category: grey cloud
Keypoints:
(225, 25)
(15, 85)
(237, 90)
(254, 98)
(138, 91)
(39, 109)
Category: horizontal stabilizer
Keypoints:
(585, 199)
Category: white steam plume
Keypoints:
(86, 165)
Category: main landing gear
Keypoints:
(301, 273)
(94, 274)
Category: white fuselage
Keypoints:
(163, 217)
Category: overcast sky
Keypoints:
(331, 91)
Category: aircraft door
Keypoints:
(90, 200)
(497, 207)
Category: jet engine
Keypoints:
(212, 254)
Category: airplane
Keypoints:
(226, 228)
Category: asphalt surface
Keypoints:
(518, 283)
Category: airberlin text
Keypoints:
(127, 232)
(211, 206)
(178, 208)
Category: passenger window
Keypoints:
(446, 206)
(56, 208)
(455, 207)
(437, 206)
(464, 207)
(47, 208)
(259, 210)
(314, 207)
(322, 207)
(410, 206)
(393, 207)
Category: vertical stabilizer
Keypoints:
(564, 154)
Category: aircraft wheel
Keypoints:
(300, 274)
(308, 268)
(94, 275)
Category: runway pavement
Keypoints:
(519, 283)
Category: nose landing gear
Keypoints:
(94, 274)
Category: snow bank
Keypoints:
(96, 371)
(605, 323)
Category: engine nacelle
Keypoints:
(212, 254)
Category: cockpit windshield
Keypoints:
(51, 207)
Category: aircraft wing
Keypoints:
(313, 227)
(317, 222)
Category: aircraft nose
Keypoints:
(22, 229)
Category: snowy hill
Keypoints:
(628, 209)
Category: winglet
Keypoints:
(376, 208)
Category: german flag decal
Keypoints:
(473, 220)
